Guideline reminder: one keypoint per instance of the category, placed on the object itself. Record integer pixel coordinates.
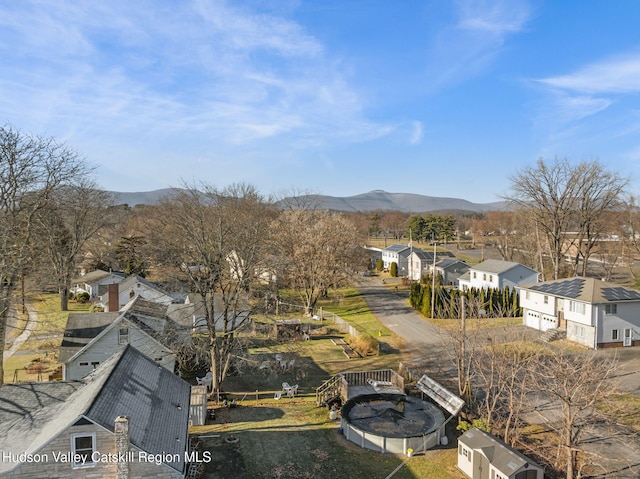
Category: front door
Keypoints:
(628, 337)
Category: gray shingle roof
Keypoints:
(33, 419)
(156, 401)
(497, 266)
(396, 248)
(447, 263)
(94, 276)
(81, 329)
(127, 384)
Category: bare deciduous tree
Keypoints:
(559, 196)
(72, 216)
(31, 169)
(573, 383)
(318, 251)
(217, 239)
(600, 192)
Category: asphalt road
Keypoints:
(617, 449)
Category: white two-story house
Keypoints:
(396, 253)
(595, 313)
(495, 273)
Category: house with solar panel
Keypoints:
(594, 313)
(482, 456)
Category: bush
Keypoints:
(364, 344)
(379, 265)
(394, 270)
(83, 298)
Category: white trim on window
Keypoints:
(83, 444)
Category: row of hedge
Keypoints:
(480, 302)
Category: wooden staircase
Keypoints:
(330, 389)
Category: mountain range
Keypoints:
(371, 201)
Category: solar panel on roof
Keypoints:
(570, 288)
(620, 294)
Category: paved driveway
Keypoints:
(618, 450)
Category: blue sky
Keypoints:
(339, 97)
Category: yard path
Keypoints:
(30, 326)
(617, 448)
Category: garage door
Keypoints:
(532, 320)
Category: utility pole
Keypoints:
(433, 282)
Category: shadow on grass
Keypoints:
(312, 450)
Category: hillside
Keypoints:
(373, 200)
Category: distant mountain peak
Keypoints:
(371, 201)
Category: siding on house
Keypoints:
(595, 313)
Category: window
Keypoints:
(474, 275)
(546, 299)
(526, 294)
(484, 276)
(84, 363)
(491, 278)
(611, 309)
(123, 336)
(95, 364)
(576, 307)
(82, 446)
(615, 335)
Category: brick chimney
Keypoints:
(114, 301)
(121, 431)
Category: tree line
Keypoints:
(228, 245)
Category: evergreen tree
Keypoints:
(393, 270)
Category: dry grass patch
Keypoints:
(475, 323)
(624, 407)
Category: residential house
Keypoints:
(129, 417)
(133, 286)
(92, 282)
(421, 262)
(495, 273)
(595, 313)
(392, 254)
(482, 456)
(451, 269)
(91, 338)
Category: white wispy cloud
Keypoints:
(479, 32)
(496, 17)
(212, 67)
(592, 88)
(615, 75)
(417, 133)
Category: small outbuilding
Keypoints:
(483, 456)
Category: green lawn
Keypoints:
(292, 438)
(51, 323)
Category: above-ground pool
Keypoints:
(392, 422)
